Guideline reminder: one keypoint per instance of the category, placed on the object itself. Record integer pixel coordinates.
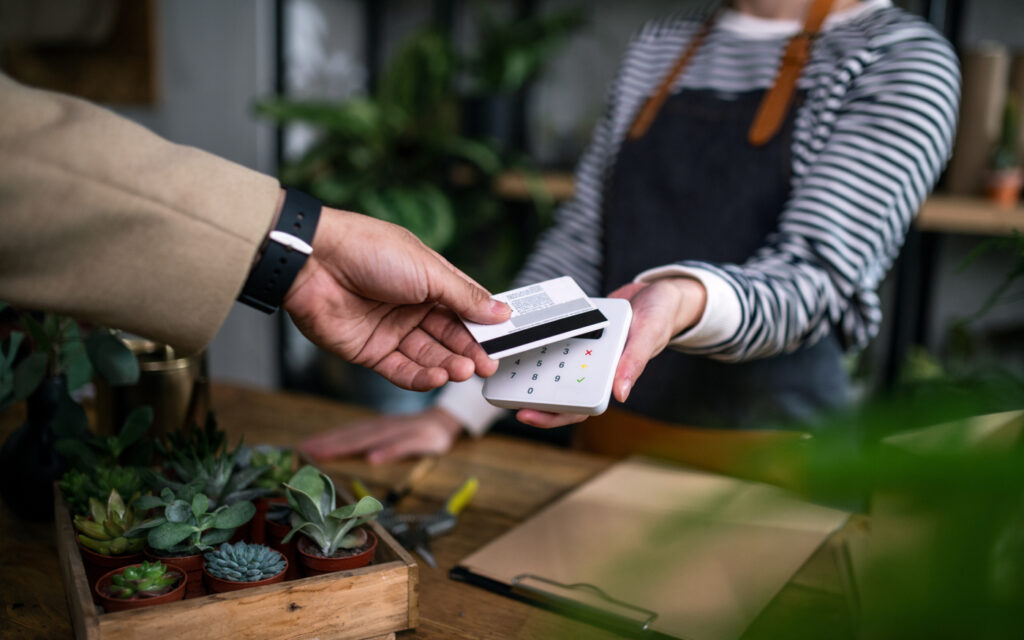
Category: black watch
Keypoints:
(286, 249)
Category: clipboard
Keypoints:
(653, 550)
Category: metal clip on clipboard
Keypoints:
(593, 600)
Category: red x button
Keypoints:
(588, 351)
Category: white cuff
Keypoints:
(722, 311)
(465, 402)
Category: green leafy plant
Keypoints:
(56, 348)
(243, 562)
(105, 529)
(203, 441)
(187, 525)
(85, 450)
(399, 154)
(312, 498)
(512, 53)
(79, 487)
(145, 580)
(214, 470)
(278, 462)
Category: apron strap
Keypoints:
(776, 101)
(653, 105)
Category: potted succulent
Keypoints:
(277, 525)
(187, 527)
(140, 585)
(279, 463)
(80, 486)
(241, 565)
(103, 539)
(215, 470)
(1006, 177)
(333, 538)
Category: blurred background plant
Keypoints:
(45, 358)
(406, 155)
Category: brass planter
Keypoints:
(175, 386)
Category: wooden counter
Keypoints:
(516, 478)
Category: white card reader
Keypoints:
(572, 375)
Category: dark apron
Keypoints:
(693, 188)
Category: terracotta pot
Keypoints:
(220, 585)
(242, 533)
(314, 564)
(258, 533)
(275, 533)
(191, 565)
(97, 564)
(116, 604)
(1004, 187)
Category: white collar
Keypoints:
(754, 27)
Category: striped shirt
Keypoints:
(870, 140)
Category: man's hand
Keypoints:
(387, 438)
(375, 295)
(661, 310)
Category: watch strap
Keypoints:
(288, 246)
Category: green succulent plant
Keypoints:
(203, 440)
(106, 527)
(279, 465)
(243, 562)
(79, 487)
(312, 498)
(215, 471)
(145, 580)
(187, 525)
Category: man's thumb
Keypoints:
(468, 299)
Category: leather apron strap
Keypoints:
(777, 100)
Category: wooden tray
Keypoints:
(371, 602)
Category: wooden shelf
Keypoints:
(968, 215)
(514, 185)
(940, 214)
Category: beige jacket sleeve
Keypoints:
(102, 220)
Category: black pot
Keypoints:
(29, 464)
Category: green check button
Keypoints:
(581, 379)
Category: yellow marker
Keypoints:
(584, 366)
(359, 489)
(461, 498)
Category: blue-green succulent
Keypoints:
(243, 562)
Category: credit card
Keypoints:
(542, 313)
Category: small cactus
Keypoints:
(242, 562)
(105, 529)
(145, 580)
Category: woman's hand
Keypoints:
(662, 309)
(387, 438)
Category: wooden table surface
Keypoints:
(516, 477)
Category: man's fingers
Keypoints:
(425, 351)
(403, 372)
(449, 331)
(545, 420)
(464, 297)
